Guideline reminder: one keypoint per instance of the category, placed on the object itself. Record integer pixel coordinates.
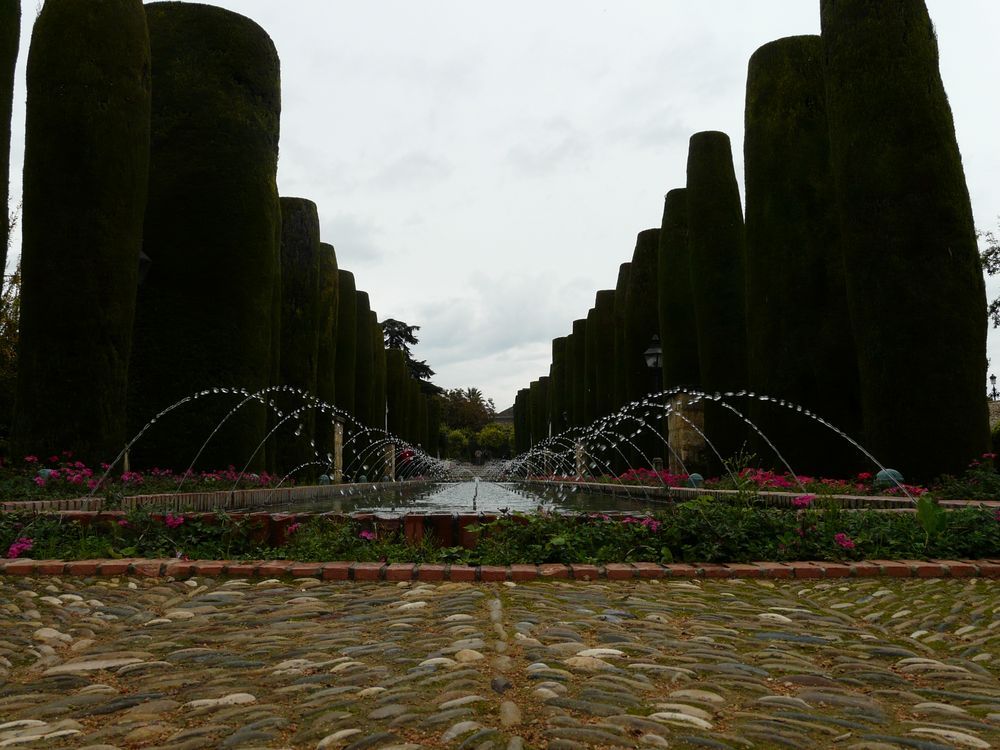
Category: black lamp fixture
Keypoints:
(993, 388)
(654, 354)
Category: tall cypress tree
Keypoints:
(347, 341)
(604, 332)
(800, 345)
(522, 437)
(535, 411)
(642, 323)
(717, 248)
(10, 37)
(578, 406)
(86, 171)
(557, 386)
(914, 283)
(678, 333)
(326, 360)
(213, 222)
(364, 367)
(434, 426)
(413, 395)
(300, 328)
(591, 356)
(377, 416)
(570, 374)
(621, 293)
(396, 374)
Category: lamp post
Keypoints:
(654, 361)
(994, 394)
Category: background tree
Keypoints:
(466, 409)
(401, 336)
(990, 259)
(497, 439)
(10, 37)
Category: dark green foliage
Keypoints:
(642, 323)
(914, 283)
(347, 342)
(578, 384)
(86, 171)
(557, 386)
(538, 397)
(433, 446)
(10, 37)
(716, 245)
(300, 332)
(364, 362)
(570, 375)
(591, 356)
(799, 340)
(423, 411)
(603, 330)
(678, 334)
(326, 360)
(213, 223)
(412, 428)
(396, 376)
(522, 428)
(377, 415)
(618, 316)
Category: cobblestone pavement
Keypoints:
(125, 662)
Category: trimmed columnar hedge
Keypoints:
(212, 223)
(10, 37)
(534, 409)
(347, 341)
(377, 416)
(423, 424)
(413, 396)
(570, 375)
(433, 446)
(364, 363)
(621, 293)
(603, 330)
(396, 375)
(591, 356)
(522, 437)
(300, 329)
(642, 323)
(717, 248)
(326, 356)
(678, 333)
(86, 171)
(799, 340)
(557, 385)
(579, 377)
(914, 282)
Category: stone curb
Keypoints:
(369, 571)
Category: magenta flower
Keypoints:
(122, 522)
(651, 524)
(803, 501)
(293, 528)
(173, 521)
(40, 481)
(843, 540)
(31, 459)
(989, 456)
(20, 545)
(369, 535)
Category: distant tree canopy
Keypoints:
(990, 258)
(466, 409)
(401, 336)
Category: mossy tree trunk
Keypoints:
(86, 174)
(213, 223)
(914, 283)
(800, 345)
(326, 360)
(717, 248)
(300, 332)
(678, 333)
(10, 38)
(347, 342)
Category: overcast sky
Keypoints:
(483, 168)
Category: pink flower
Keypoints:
(864, 476)
(843, 540)
(40, 481)
(31, 459)
(998, 516)
(803, 501)
(122, 522)
(989, 456)
(173, 521)
(20, 545)
(53, 459)
(92, 484)
(292, 528)
(369, 535)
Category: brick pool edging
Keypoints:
(374, 571)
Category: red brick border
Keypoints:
(374, 571)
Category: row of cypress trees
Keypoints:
(852, 289)
(159, 261)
